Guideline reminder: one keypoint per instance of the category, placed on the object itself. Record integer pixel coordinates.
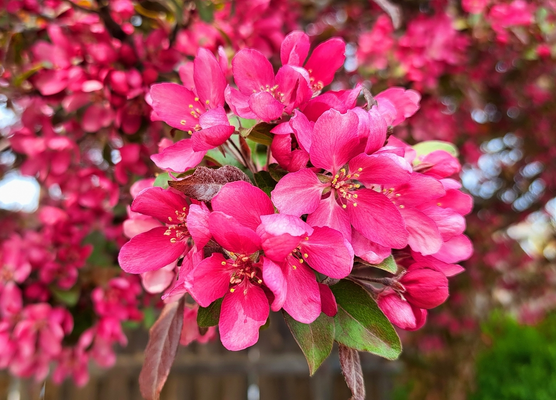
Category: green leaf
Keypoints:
(162, 180)
(264, 181)
(388, 265)
(217, 157)
(361, 325)
(67, 297)
(206, 10)
(259, 133)
(315, 339)
(276, 172)
(429, 146)
(149, 317)
(210, 315)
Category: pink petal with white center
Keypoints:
(274, 279)
(335, 140)
(330, 214)
(210, 81)
(328, 301)
(367, 250)
(303, 130)
(298, 193)
(161, 204)
(133, 227)
(232, 236)
(295, 48)
(150, 251)
(303, 299)
(456, 249)
(400, 312)
(424, 235)
(178, 157)
(233, 199)
(328, 252)
(239, 103)
(293, 87)
(325, 60)
(376, 218)
(171, 101)
(265, 106)
(252, 71)
(243, 313)
(381, 169)
(449, 222)
(198, 225)
(211, 138)
(210, 280)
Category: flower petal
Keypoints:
(252, 71)
(210, 81)
(150, 251)
(298, 193)
(232, 236)
(211, 280)
(325, 61)
(243, 313)
(178, 157)
(233, 199)
(335, 140)
(171, 101)
(265, 106)
(376, 218)
(274, 279)
(303, 299)
(160, 203)
(328, 252)
(295, 48)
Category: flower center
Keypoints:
(243, 270)
(177, 228)
(344, 185)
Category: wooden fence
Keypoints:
(274, 369)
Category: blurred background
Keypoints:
(76, 134)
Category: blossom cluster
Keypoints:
(348, 192)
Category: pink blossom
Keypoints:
(162, 245)
(198, 112)
(336, 142)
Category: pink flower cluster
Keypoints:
(348, 190)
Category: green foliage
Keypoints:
(361, 325)
(210, 315)
(520, 364)
(315, 339)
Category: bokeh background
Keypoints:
(76, 134)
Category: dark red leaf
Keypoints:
(205, 182)
(164, 338)
(351, 368)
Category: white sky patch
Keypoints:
(19, 193)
